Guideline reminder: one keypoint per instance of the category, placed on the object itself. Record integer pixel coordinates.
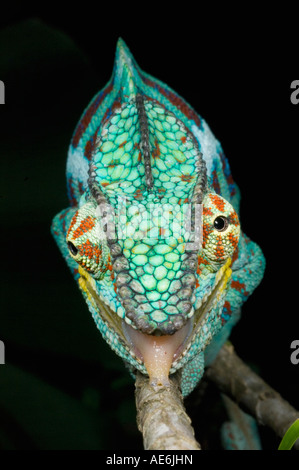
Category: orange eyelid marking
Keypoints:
(218, 202)
(207, 211)
(73, 222)
(233, 219)
(85, 226)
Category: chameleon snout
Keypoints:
(154, 304)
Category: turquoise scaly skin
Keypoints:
(139, 160)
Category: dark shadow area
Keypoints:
(62, 387)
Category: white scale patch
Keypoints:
(77, 165)
(209, 145)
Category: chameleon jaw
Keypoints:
(167, 353)
(207, 305)
(158, 352)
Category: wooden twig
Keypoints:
(255, 396)
(165, 425)
(161, 416)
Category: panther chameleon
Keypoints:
(152, 234)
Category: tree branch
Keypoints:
(255, 396)
(165, 425)
(161, 416)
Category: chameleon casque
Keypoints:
(141, 164)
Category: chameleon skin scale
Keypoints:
(140, 156)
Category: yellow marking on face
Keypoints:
(84, 279)
(222, 270)
(226, 273)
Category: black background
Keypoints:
(62, 387)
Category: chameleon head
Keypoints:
(152, 239)
(157, 292)
(154, 244)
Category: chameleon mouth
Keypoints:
(158, 356)
(204, 308)
(158, 352)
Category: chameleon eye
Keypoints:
(72, 248)
(220, 223)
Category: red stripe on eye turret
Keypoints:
(85, 226)
(233, 240)
(219, 251)
(74, 220)
(207, 211)
(217, 201)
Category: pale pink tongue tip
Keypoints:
(157, 352)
